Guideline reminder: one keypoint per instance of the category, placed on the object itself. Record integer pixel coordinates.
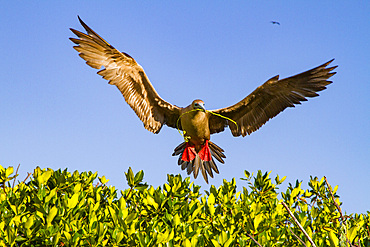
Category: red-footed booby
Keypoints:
(197, 124)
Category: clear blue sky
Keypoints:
(57, 112)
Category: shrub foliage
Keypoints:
(59, 208)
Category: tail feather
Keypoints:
(196, 165)
(214, 154)
(192, 161)
(190, 167)
(207, 166)
(215, 146)
(179, 161)
(219, 151)
(184, 165)
(221, 155)
(204, 173)
(213, 166)
(177, 152)
(179, 149)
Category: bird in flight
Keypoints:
(275, 22)
(197, 152)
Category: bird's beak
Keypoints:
(202, 106)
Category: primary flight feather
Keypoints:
(197, 152)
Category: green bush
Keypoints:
(59, 208)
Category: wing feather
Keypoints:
(271, 98)
(121, 70)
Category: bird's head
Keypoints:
(198, 104)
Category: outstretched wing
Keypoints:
(270, 99)
(121, 69)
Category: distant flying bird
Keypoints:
(275, 22)
(197, 124)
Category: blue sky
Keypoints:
(56, 112)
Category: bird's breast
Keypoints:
(195, 124)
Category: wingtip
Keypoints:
(76, 32)
(332, 68)
(83, 24)
(329, 62)
(328, 69)
(80, 19)
(102, 42)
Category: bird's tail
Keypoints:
(192, 160)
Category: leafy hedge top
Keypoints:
(59, 208)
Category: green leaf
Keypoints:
(152, 202)
(51, 195)
(72, 202)
(295, 192)
(11, 234)
(246, 173)
(14, 208)
(334, 241)
(56, 239)
(211, 200)
(229, 241)
(141, 187)
(29, 221)
(223, 237)
(130, 177)
(195, 213)
(139, 177)
(162, 237)
(103, 180)
(130, 218)
(176, 219)
(352, 233)
(122, 204)
(257, 220)
(9, 171)
(282, 180)
(335, 189)
(187, 243)
(119, 236)
(43, 176)
(113, 215)
(67, 236)
(215, 243)
(167, 187)
(52, 213)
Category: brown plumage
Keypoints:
(264, 103)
